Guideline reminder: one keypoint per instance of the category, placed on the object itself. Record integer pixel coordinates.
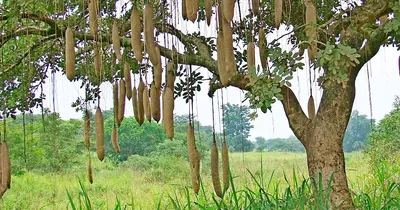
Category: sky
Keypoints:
(378, 93)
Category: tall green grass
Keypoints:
(273, 180)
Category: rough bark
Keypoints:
(323, 141)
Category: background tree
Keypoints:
(291, 144)
(345, 36)
(384, 140)
(260, 143)
(357, 132)
(237, 127)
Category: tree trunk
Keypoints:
(323, 141)
(323, 136)
(325, 155)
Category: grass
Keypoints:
(259, 180)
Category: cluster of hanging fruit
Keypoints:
(145, 99)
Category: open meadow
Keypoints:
(162, 182)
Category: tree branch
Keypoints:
(298, 121)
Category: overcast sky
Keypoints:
(384, 84)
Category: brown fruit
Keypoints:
(184, 12)
(146, 103)
(168, 112)
(140, 101)
(225, 166)
(158, 70)
(170, 78)
(69, 54)
(155, 102)
(114, 139)
(86, 128)
(116, 102)
(223, 74)
(196, 171)
(214, 170)
(383, 19)
(149, 34)
(230, 63)
(116, 41)
(255, 6)
(190, 142)
(228, 9)
(136, 29)
(93, 23)
(311, 108)
(208, 8)
(262, 47)
(278, 12)
(311, 33)
(121, 101)
(97, 60)
(90, 172)
(251, 59)
(128, 82)
(191, 9)
(99, 130)
(135, 105)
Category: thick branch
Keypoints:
(298, 121)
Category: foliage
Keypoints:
(356, 135)
(384, 140)
(48, 144)
(260, 143)
(132, 138)
(237, 127)
(291, 144)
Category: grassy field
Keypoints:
(146, 183)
